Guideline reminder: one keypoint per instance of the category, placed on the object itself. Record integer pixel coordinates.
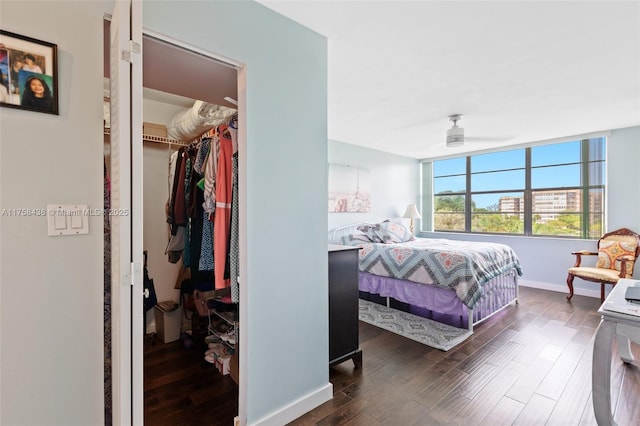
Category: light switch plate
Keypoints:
(67, 219)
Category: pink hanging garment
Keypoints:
(222, 219)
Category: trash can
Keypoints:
(168, 318)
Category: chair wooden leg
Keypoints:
(602, 290)
(570, 285)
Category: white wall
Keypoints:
(395, 182)
(51, 288)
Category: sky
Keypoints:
(563, 175)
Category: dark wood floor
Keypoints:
(181, 388)
(529, 365)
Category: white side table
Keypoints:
(620, 319)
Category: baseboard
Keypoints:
(562, 288)
(297, 408)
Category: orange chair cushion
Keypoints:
(609, 250)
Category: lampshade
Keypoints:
(412, 212)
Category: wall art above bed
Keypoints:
(349, 189)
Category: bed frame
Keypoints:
(442, 304)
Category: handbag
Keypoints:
(200, 299)
(150, 298)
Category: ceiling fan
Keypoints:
(455, 135)
(456, 138)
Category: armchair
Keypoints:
(617, 253)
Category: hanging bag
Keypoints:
(150, 298)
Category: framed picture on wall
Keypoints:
(28, 73)
(349, 189)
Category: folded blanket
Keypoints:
(193, 122)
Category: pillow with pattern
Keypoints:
(355, 239)
(393, 232)
(608, 251)
(370, 230)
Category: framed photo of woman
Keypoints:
(28, 73)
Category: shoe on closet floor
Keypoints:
(229, 337)
(215, 348)
(211, 339)
(223, 328)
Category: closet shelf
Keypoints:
(154, 139)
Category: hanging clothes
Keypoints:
(210, 173)
(203, 208)
(234, 233)
(175, 164)
(222, 217)
(201, 156)
(179, 205)
(202, 279)
(175, 210)
(206, 246)
(234, 240)
(186, 258)
(173, 160)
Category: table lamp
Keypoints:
(411, 213)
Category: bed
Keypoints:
(461, 283)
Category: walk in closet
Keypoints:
(184, 373)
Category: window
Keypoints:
(545, 190)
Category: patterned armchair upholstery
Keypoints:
(617, 253)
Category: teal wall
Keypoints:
(286, 180)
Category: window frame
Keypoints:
(585, 188)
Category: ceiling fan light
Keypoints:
(455, 137)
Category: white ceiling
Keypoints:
(518, 71)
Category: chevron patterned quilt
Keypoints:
(463, 266)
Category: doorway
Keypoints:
(174, 76)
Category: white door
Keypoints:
(126, 220)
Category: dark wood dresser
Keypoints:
(343, 305)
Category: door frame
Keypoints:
(127, 240)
